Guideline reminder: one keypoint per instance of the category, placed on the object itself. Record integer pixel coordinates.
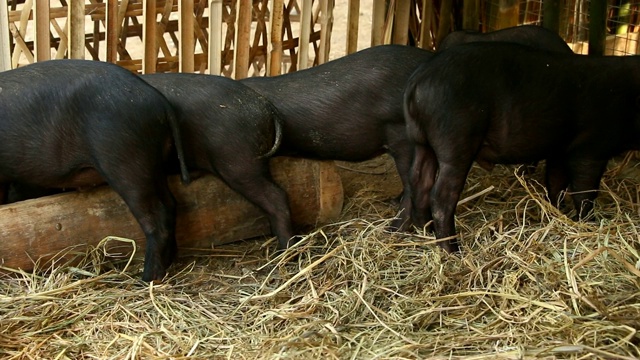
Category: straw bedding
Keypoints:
(529, 283)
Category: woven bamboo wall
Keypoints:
(229, 37)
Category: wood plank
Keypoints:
(209, 214)
(75, 29)
(5, 43)
(42, 44)
(353, 16)
(305, 32)
(215, 37)
(186, 33)
(149, 37)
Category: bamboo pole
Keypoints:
(426, 40)
(444, 27)
(149, 37)
(597, 26)
(551, 15)
(388, 23)
(305, 33)
(18, 35)
(470, 16)
(186, 34)
(5, 43)
(215, 37)
(353, 16)
(75, 29)
(111, 25)
(326, 24)
(275, 58)
(377, 22)
(508, 14)
(243, 34)
(401, 23)
(42, 44)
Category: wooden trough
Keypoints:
(209, 214)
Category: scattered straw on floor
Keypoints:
(530, 283)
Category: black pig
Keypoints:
(231, 131)
(530, 35)
(76, 123)
(348, 109)
(509, 104)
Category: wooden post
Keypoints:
(326, 23)
(401, 27)
(426, 40)
(42, 44)
(111, 25)
(378, 15)
(75, 28)
(215, 37)
(5, 40)
(305, 34)
(149, 37)
(444, 27)
(551, 15)
(186, 34)
(470, 17)
(209, 213)
(508, 14)
(275, 58)
(597, 26)
(353, 16)
(243, 34)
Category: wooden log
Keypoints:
(42, 44)
(75, 29)
(353, 16)
(5, 43)
(149, 37)
(186, 33)
(215, 37)
(209, 214)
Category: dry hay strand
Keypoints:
(529, 283)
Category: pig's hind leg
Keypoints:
(253, 181)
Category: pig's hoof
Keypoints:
(398, 224)
(155, 274)
(450, 246)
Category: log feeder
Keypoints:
(209, 214)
